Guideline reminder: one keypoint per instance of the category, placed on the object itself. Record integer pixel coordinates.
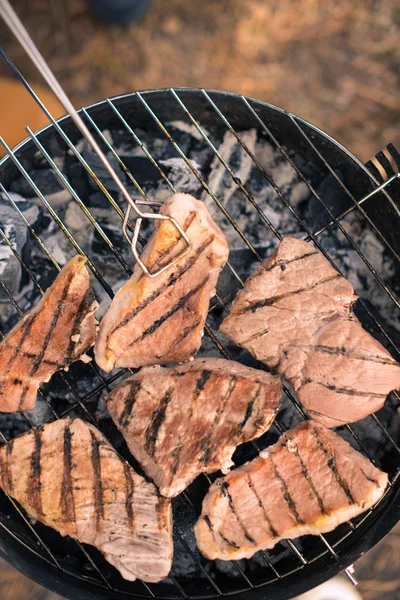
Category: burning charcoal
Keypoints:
(40, 414)
(333, 196)
(77, 176)
(47, 182)
(17, 233)
(181, 177)
(102, 173)
(229, 568)
(12, 425)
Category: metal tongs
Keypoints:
(18, 29)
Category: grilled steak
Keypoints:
(161, 320)
(294, 314)
(309, 482)
(186, 420)
(66, 475)
(52, 335)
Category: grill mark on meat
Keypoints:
(157, 419)
(333, 467)
(67, 503)
(161, 520)
(171, 281)
(45, 361)
(23, 396)
(97, 483)
(374, 481)
(285, 262)
(188, 221)
(270, 301)
(200, 384)
(225, 492)
(28, 326)
(129, 485)
(183, 335)
(130, 399)
(9, 451)
(229, 542)
(249, 409)
(34, 490)
(205, 457)
(320, 414)
(180, 304)
(286, 494)
(254, 336)
(56, 316)
(337, 351)
(85, 304)
(348, 391)
(252, 486)
(307, 476)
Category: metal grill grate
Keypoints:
(273, 570)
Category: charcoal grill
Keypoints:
(370, 191)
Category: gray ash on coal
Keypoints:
(252, 236)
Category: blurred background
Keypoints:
(335, 63)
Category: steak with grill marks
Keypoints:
(161, 320)
(309, 482)
(183, 421)
(294, 314)
(51, 336)
(66, 475)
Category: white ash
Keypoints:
(190, 129)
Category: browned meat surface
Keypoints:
(66, 475)
(294, 314)
(309, 482)
(161, 320)
(187, 420)
(51, 336)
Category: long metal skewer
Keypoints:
(12, 20)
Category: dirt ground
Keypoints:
(333, 62)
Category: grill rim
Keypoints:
(395, 493)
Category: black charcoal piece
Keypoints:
(45, 179)
(17, 234)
